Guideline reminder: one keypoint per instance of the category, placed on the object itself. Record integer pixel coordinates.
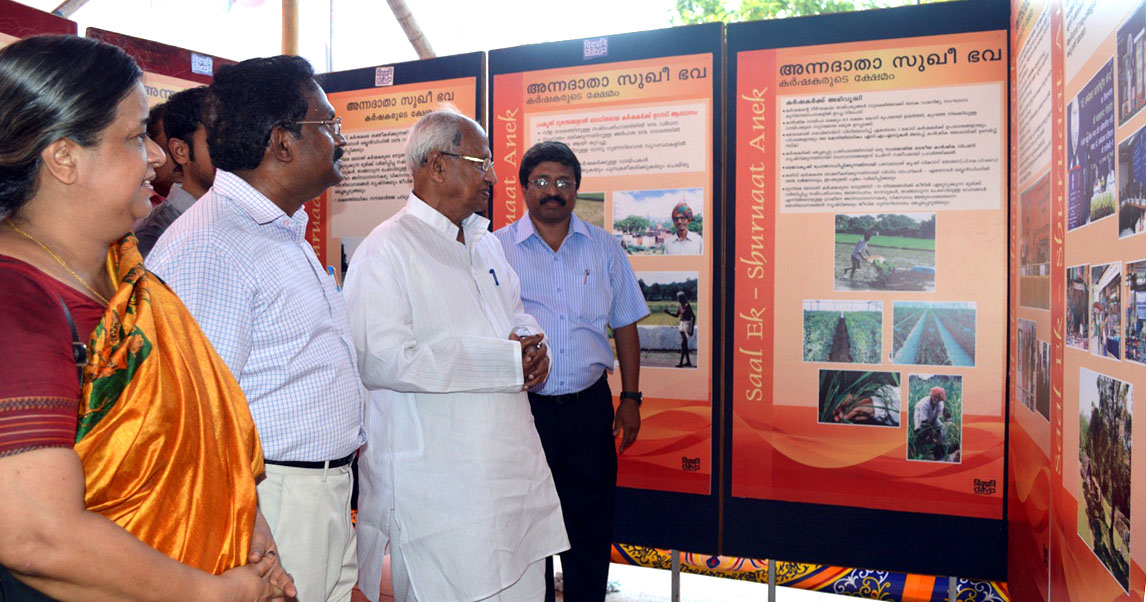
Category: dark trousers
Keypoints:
(577, 435)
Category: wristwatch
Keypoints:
(633, 395)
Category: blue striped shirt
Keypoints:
(574, 293)
(252, 281)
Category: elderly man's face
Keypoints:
(681, 222)
(468, 184)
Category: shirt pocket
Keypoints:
(594, 299)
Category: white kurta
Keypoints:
(452, 466)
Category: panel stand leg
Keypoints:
(771, 580)
(675, 575)
(952, 589)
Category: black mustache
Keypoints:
(338, 153)
(560, 201)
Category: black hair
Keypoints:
(248, 100)
(54, 87)
(551, 150)
(156, 120)
(184, 115)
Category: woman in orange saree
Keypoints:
(147, 492)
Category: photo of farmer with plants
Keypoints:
(935, 424)
(669, 334)
(885, 252)
(843, 331)
(853, 397)
(1105, 407)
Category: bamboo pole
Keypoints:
(69, 7)
(290, 27)
(410, 26)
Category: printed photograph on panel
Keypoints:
(935, 417)
(1042, 380)
(1105, 310)
(1105, 408)
(1131, 40)
(1027, 349)
(843, 331)
(1132, 185)
(1034, 246)
(1078, 307)
(933, 333)
(660, 222)
(669, 334)
(856, 397)
(885, 252)
(590, 208)
(1135, 282)
(1090, 151)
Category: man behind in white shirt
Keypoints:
(453, 475)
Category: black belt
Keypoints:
(586, 392)
(317, 465)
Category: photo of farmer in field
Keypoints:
(645, 221)
(885, 252)
(1106, 310)
(669, 335)
(1078, 307)
(935, 418)
(843, 331)
(855, 397)
(933, 333)
(1027, 349)
(1105, 408)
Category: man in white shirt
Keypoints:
(453, 475)
(684, 241)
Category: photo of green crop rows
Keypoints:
(843, 331)
(933, 333)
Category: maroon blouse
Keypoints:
(39, 389)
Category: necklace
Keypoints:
(58, 259)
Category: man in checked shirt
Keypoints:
(240, 260)
(575, 280)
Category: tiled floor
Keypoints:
(639, 584)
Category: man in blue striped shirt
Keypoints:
(576, 280)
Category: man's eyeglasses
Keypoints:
(483, 164)
(335, 124)
(544, 183)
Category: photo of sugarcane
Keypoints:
(866, 398)
(1106, 310)
(935, 418)
(885, 252)
(843, 331)
(933, 333)
(1077, 307)
(1105, 408)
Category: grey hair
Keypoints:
(439, 130)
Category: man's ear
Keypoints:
(282, 144)
(436, 163)
(179, 150)
(60, 160)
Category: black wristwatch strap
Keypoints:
(633, 395)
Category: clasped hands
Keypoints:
(534, 359)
